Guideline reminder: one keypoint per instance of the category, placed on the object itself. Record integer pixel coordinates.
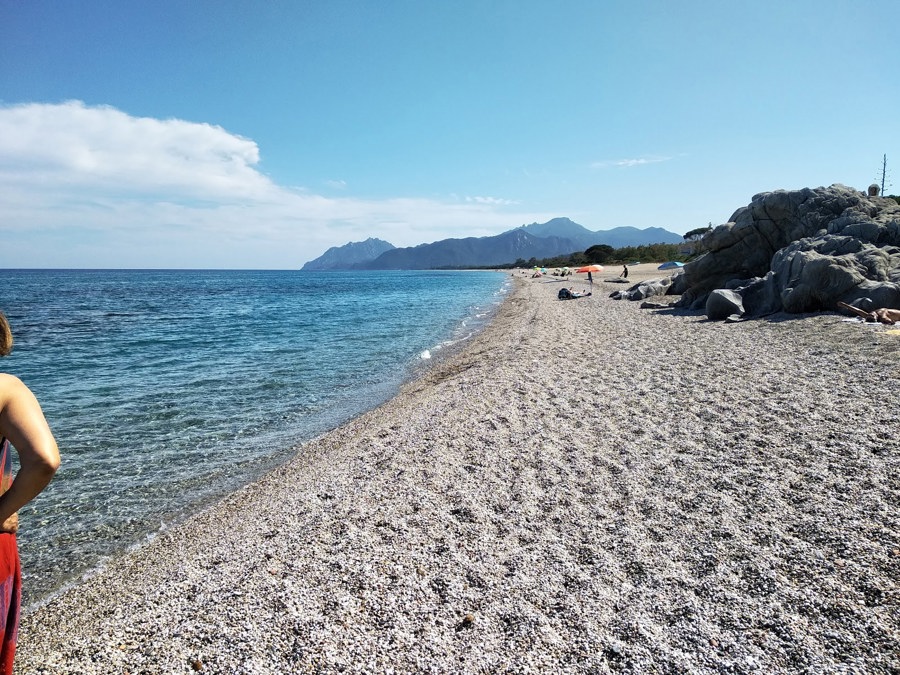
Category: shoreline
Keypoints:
(584, 487)
(154, 495)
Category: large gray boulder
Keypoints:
(759, 295)
(723, 303)
(813, 274)
(646, 289)
(802, 251)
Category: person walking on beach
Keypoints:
(624, 274)
(23, 428)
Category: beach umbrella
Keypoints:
(590, 268)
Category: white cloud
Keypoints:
(76, 145)
(89, 186)
(492, 201)
(626, 163)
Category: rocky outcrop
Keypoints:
(645, 289)
(802, 251)
(671, 285)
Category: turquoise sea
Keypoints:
(169, 389)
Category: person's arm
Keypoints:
(22, 422)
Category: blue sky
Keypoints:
(224, 134)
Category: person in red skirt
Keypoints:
(23, 428)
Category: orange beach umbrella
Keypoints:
(590, 268)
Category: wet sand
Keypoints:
(588, 487)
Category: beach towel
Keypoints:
(10, 576)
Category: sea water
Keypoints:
(168, 389)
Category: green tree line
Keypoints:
(602, 254)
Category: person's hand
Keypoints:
(11, 524)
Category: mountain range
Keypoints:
(559, 236)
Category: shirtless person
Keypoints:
(883, 315)
(23, 429)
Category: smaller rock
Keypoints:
(723, 303)
(468, 621)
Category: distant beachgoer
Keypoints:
(570, 294)
(23, 428)
(624, 274)
(590, 278)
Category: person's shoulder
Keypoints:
(13, 389)
(10, 384)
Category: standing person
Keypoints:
(590, 279)
(22, 426)
(624, 274)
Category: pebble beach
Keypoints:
(585, 487)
